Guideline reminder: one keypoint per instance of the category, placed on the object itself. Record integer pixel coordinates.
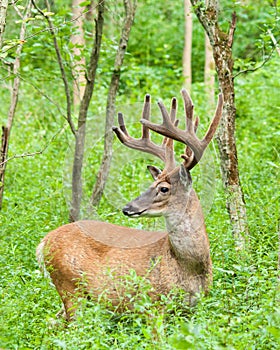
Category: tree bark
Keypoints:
(81, 131)
(222, 51)
(130, 9)
(209, 75)
(78, 41)
(3, 15)
(187, 53)
(6, 130)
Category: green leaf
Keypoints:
(84, 3)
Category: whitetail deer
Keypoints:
(86, 250)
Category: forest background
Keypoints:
(242, 310)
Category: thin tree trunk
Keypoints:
(6, 130)
(222, 50)
(130, 9)
(187, 53)
(3, 15)
(275, 43)
(78, 41)
(81, 131)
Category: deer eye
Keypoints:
(164, 189)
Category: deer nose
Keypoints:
(126, 210)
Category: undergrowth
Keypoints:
(242, 308)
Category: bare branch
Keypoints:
(23, 155)
(32, 154)
(249, 70)
(17, 10)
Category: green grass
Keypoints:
(242, 310)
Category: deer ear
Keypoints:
(155, 172)
(185, 177)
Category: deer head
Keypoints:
(160, 198)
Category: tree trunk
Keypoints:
(78, 41)
(130, 9)
(187, 53)
(81, 131)
(6, 130)
(3, 15)
(222, 50)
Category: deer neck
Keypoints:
(186, 229)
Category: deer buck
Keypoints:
(180, 257)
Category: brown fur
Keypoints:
(95, 254)
(85, 250)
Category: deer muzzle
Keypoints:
(128, 210)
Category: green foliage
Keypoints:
(242, 309)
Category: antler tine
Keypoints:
(146, 115)
(121, 132)
(173, 110)
(121, 123)
(188, 105)
(196, 122)
(192, 161)
(188, 136)
(168, 129)
(143, 144)
(170, 162)
(188, 156)
(215, 121)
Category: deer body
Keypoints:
(180, 258)
(96, 253)
(104, 250)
